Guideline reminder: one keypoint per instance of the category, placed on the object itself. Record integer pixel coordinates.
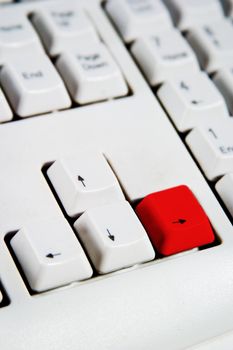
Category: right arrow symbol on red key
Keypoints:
(170, 233)
(180, 221)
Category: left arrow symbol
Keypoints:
(196, 102)
(51, 256)
(81, 179)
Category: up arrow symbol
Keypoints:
(81, 179)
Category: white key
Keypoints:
(192, 100)
(84, 181)
(50, 254)
(212, 146)
(17, 36)
(33, 85)
(91, 74)
(63, 26)
(187, 13)
(224, 187)
(5, 111)
(164, 56)
(113, 237)
(224, 81)
(213, 44)
(134, 18)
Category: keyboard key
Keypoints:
(174, 220)
(223, 79)
(91, 74)
(114, 237)
(134, 18)
(224, 187)
(84, 181)
(63, 27)
(5, 111)
(50, 254)
(164, 56)
(192, 100)
(212, 146)
(213, 44)
(17, 36)
(33, 85)
(187, 13)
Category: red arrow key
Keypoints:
(174, 220)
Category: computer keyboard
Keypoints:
(116, 175)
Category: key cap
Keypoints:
(192, 100)
(5, 111)
(84, 181)
(187, 13)
(174, 220)
(113, 237)
(224, 187)
(17, 36)
(223, 79)
(164, 56)
(62, 27)
(91, 74)
(212, 146)
(33, 86)
(213, 44)
(134, 18)
(50, 254)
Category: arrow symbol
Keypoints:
(81, 179)
(51, 256)
(110, 235)
(180, 221)
(184, 86)
(195, 102)
(213, 133)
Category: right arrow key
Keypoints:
(174, 220)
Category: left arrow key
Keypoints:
(50, 254)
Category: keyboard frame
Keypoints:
(171, 303)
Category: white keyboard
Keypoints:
(116, 181)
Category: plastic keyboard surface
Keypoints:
(116, 175)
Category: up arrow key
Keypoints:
(84, 181)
